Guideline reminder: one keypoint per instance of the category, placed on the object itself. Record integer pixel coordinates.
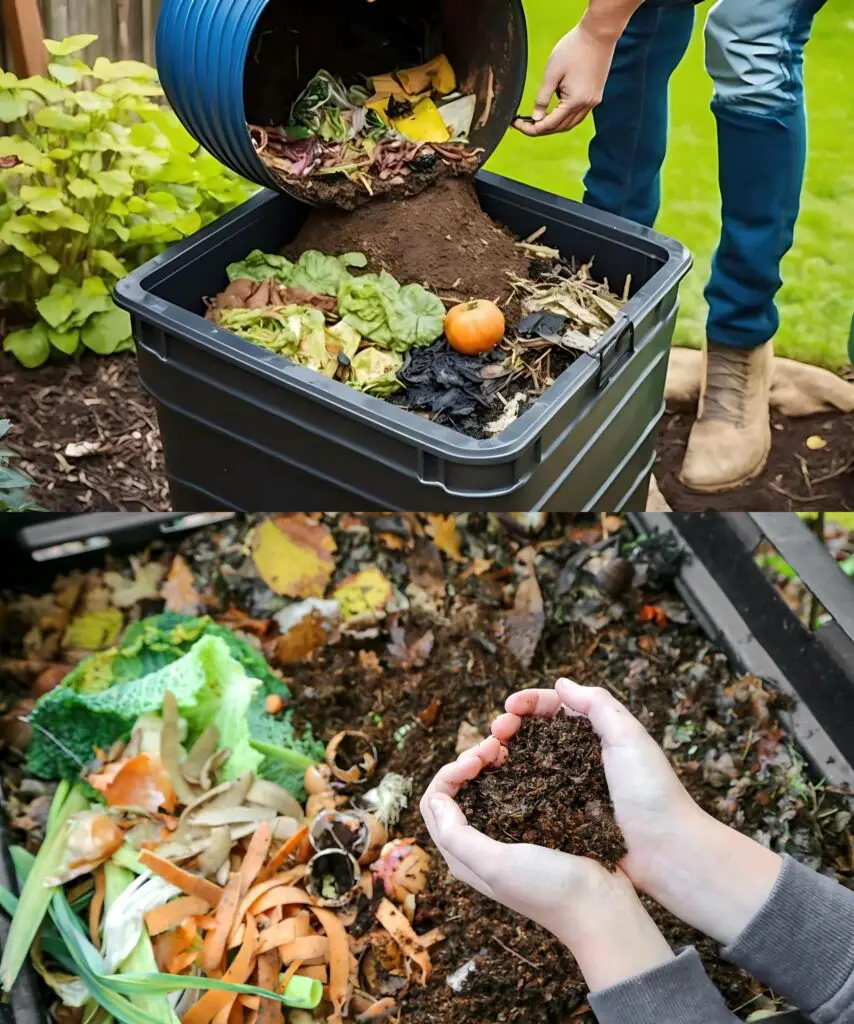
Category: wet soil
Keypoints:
(440, 238)
(796, 479)
(551, 791)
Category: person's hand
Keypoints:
(707, 874)
(594, 912)
(576, 72)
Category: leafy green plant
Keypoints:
(14, 485)
(97, 177)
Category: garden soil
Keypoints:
(551, 791)
(720, 732)
(98, 400)
(440, 238)
(796, 479)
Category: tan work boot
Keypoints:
(731, 437)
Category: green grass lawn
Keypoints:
(817, 300)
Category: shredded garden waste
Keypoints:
(383, 128)
(398, 637)
(200, 860)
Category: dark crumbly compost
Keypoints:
(440, 238)
(551, 792)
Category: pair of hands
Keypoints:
(707, 874)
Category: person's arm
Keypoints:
(790, 927)
(578, 68)
(801, 944)
(631, 971)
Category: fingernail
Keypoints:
(437, 809)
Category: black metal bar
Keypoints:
(813, 564)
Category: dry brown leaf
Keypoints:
(305, 626)
(144, 585)
(406, 656)
(446, 537)
(178, 590)
(294, 555)
(524, 624)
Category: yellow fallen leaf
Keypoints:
(443, 530)
(815, 443)
(365, 592)
(294, 555)
(94, 631)
(144, 585)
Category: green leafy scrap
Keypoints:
(69, 147)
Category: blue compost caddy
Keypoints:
(224, 63)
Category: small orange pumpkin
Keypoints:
(473, 328)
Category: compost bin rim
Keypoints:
(132, 295)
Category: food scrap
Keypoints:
(204, 884)
(376, 132)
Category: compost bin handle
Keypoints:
(613, 355)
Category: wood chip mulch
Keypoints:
(97, 403)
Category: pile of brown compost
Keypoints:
(440, 238)
(427, 681)
(551, 791)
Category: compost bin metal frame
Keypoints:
(743, 613)
(720, 583)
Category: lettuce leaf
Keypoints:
(322, 274)
(417, 317)
(362, 305)
(391, 316)
(261, 266)
(375, 372)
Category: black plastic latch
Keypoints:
(615, 354)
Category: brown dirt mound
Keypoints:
(552, 792)
(440, 238)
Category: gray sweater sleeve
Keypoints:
(678, 992)
(801, 944)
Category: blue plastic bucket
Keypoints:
(216, 57)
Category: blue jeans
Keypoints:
(754, 54)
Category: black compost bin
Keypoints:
(246, 429)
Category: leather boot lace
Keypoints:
(727, 380)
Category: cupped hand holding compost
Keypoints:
(707, 874)
(593, 911)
